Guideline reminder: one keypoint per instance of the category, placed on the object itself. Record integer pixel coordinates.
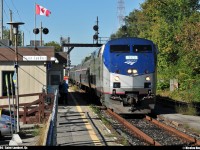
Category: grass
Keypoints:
(187, 127)
(178, 96)
(36, 130)
(190, 110)
(41, 133)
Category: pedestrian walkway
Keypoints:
(77, 125)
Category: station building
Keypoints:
(39, 69)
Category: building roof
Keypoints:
(8, 53)
(61, 56)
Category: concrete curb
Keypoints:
(177, 124)
(46, 131)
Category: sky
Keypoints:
(68, 18)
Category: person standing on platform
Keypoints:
(65, 91)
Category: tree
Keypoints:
(174, 25)
(6, 35)
(57, 46)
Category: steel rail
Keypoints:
(134, 129)
(173, 130)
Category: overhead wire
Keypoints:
(5, 10)
(10, 48)
(13, 50)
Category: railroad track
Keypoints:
(151, 132)
(148, 131)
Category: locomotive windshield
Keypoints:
(119, 48)
(142, 48)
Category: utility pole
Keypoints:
(11, 27)
(41, 34)
(15, 31)
(1, 19)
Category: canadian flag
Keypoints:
(40, 10)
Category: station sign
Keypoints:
(34, 58)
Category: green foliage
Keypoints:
(55, 44)
(162, 85)
(6, 35)
(189, 110)
(174, 25)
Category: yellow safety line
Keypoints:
(92, 134)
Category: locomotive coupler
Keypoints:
(116, 98)
(131, 99)
(150, 95)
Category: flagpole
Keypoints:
(35, 26)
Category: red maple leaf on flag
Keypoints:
(40, 10)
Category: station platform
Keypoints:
(77, 125)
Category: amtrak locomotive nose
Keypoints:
(123, 74)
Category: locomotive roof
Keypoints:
(131, 39)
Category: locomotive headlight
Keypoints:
(148, 78)
(116, 78)
(129, 71)
(135, 71)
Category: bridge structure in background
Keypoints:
(71, 46)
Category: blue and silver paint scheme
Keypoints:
(123, 74)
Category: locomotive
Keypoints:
(122, 73)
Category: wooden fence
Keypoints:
(37, 111)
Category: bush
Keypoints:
(189, 110)
(163, 85)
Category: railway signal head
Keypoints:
(36, 30)
(95, 37)
(45, 31)
(96, 28)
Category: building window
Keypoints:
(11, 85)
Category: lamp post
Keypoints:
(15, 32)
